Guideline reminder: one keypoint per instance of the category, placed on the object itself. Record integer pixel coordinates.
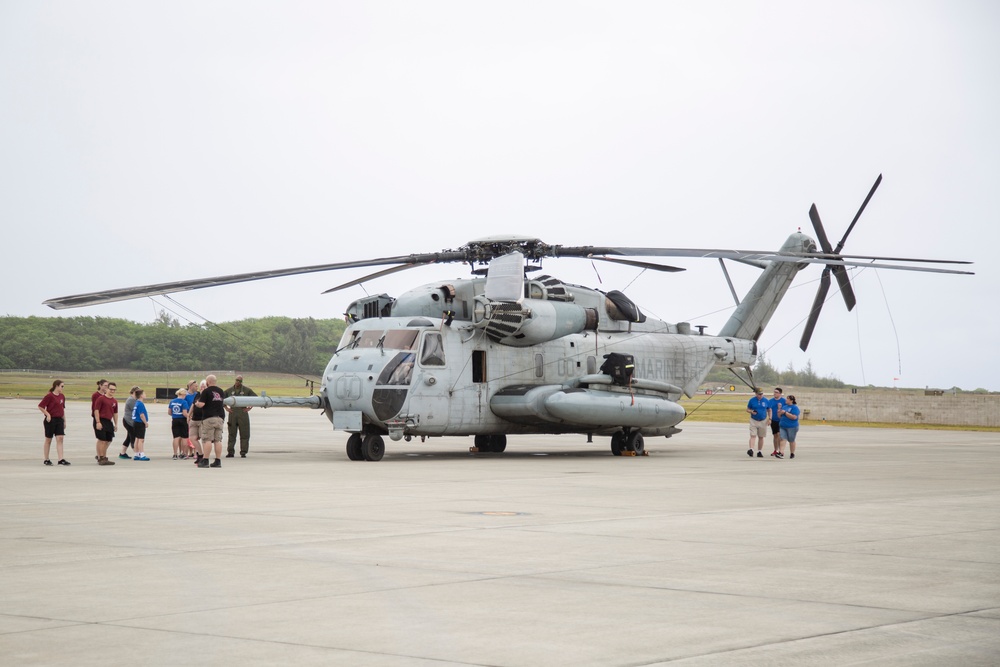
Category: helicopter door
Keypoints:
(429, 394)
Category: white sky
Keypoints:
(150, 142)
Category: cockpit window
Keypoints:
(432, 353)
(401, 339)
(370, 338)
(398, 371)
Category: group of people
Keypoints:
(196, 415)
(780, 414)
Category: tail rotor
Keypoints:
(839, 271)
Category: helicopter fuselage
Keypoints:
(442, 368)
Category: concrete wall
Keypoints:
(899, 407)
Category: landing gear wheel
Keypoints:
(498, 443)
(482, 443)
(354, 447)
(373, 447)
(617, 443)
(635, 443)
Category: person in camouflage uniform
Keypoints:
(239, 419)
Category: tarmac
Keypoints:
(872, 546)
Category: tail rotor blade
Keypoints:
(840, 246)
(845, 286)
(824, 288)
(824, 242)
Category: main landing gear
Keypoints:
(495, 443)
(628, 443)
(371, 447)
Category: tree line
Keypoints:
(81, 344)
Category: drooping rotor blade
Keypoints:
(897, 259)
(750, 256)
(824, 287)
(108, 296)
(371, 276)
(641, 265)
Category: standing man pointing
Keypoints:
(239, 419)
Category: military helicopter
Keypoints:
(514, 351)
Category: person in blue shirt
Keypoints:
(757, 407)
(789, 426)
(774, 404)
(179, 423)
(140, 420)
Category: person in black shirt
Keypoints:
(210, 400)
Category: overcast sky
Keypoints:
(150, 142)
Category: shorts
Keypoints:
(194, 430)
(211, 429)
(775, 426)
(758, 429)
(788, 433)
(139, 429)
(179, 427)
(57, 426)
(107, 431)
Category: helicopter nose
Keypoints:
(380, 397)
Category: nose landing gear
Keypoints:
(371, 447)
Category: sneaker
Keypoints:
(791, 456)
(141, 457)
(63, 462)
(203, 463)
(779, 455)
(47, 462)
(175, 457)
(750, 453)
(774, 453)
(229, 456)
(243, 456)
(104, 461)
(124, 456)
(216, 464)
(760, 454)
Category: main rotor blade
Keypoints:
(753, 256)
(641, 265)
(824, 242)
(840, 246)
(124, 294)
(824, 287)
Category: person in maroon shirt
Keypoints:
(106, 418)
(53, 407)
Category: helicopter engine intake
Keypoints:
(531, 321)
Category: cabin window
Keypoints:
(539, 366)
(479, 365)
(591, 365)
(432, 353)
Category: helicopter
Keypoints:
(512, 350)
